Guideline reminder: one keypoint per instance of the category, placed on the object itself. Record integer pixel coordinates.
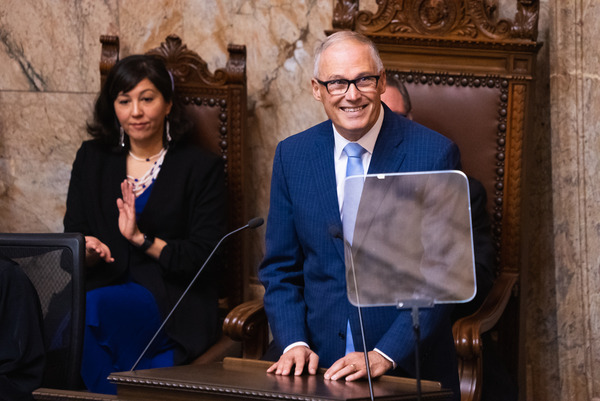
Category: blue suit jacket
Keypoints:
(303, 270)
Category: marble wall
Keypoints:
(49, 53)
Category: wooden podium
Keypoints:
(246, 379)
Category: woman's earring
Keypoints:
(168, 130)
(121, 137)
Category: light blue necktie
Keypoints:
(352, 192)
(352, 188)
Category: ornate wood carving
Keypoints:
(344, 13)
(108, 56)
(186, 65)
(236, 65)
(465, 20)
(512, 237)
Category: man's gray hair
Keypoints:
(342, 36)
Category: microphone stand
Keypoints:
(253, 223)
(417, 330)
(362, 328)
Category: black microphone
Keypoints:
(252, 223)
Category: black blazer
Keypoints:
(186, 209)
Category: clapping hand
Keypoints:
(127, 222)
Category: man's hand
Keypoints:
(353, 366)
(298, 356)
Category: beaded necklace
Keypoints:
(146, 159)
(142, 183)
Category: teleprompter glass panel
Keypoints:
(412, 240)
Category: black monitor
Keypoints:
(54, 263)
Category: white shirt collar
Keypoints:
(367, 141)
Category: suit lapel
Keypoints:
(388, 157)
(323, 167)
(115, 171)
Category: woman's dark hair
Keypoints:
(122, 78)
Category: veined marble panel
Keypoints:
(39, 136)
(590, 115)
(144, 25)
(53, 45)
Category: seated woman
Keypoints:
(152, 207)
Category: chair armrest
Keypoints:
(467, 331)
(247, 323)
(467, 335)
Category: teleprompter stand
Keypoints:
(412, 246)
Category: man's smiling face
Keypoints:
(355, 112)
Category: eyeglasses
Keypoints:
(340, 86)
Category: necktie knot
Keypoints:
(353, 149)
(354, 152)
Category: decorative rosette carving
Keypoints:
(344, 13)
(236, 65)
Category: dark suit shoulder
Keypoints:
(316, 132)
(96, 145)
(96, 152)
(306, 144)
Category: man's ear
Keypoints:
(382, 83)
(316, 89)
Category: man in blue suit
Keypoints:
(303, 271)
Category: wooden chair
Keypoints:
(216, 104)
(469, 76)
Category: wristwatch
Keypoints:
(148, 241)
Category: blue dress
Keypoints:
(120, 321)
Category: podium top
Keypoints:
(247, 379)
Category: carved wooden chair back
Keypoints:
(469, 75)
(216, 104)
